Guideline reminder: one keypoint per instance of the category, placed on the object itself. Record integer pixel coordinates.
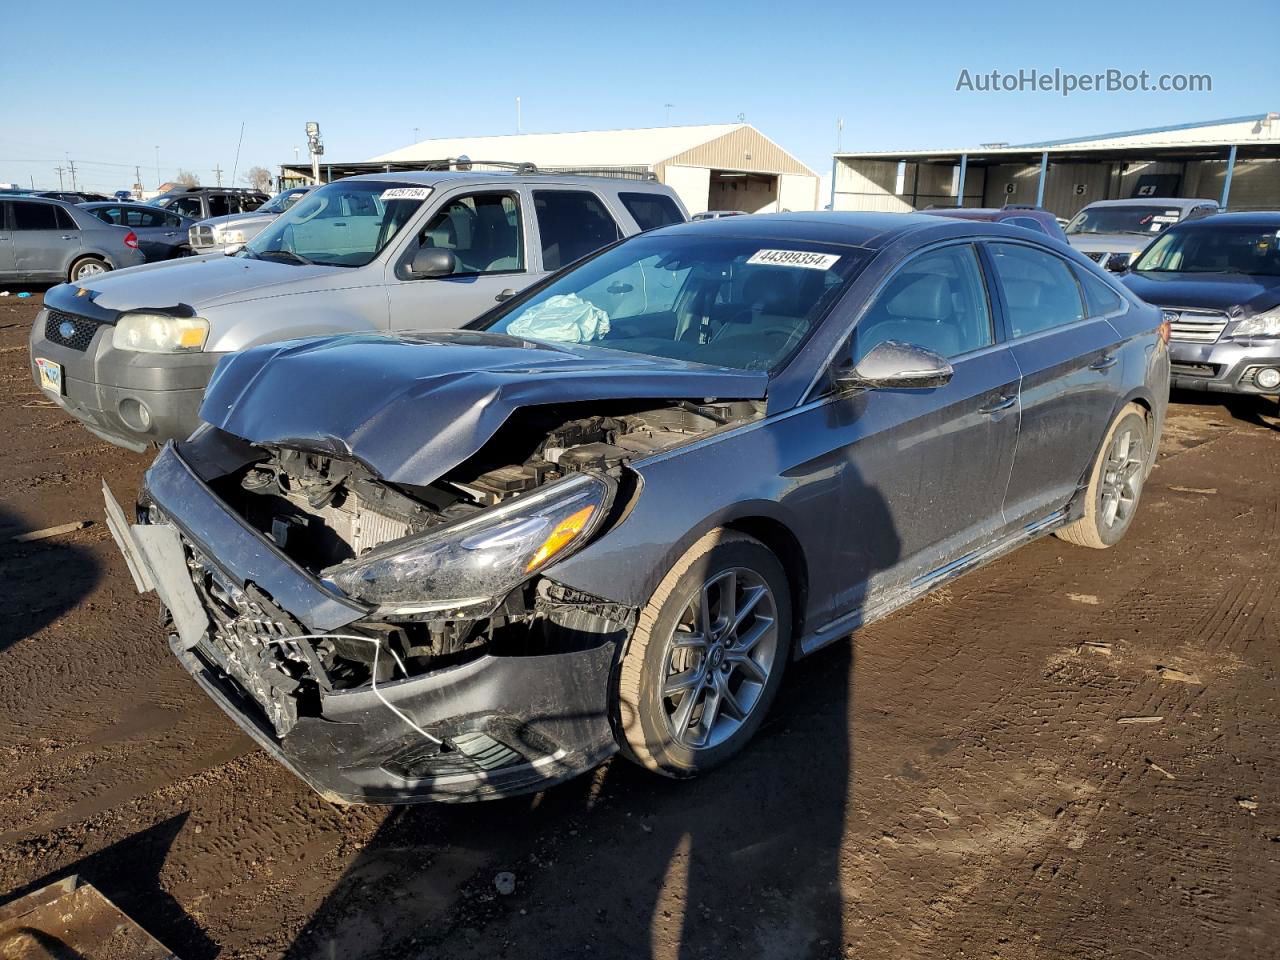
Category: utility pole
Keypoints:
(59, 169)
(416, 137)
(157, 166)
(217, 173)
(137, 181)
(71, 163)
(668, 107)
(839, 133)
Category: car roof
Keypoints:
(99, 204)
(1180, 202)
(433, 178)
(872, 231)
(1244, 218)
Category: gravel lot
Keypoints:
(962, 780)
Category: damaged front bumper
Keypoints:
(503, 722)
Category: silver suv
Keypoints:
(227, 234)
(130, 355)
(1113, 232)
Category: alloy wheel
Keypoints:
(719, 658)
(1122, 474)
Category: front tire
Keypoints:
(706, 658)
(1115, 484)
(87, 267)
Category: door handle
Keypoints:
(1104, 363)
(998, 404)
(506, 294)
(67, 237)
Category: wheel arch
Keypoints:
(785, 545)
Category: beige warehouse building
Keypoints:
(1235, 161)
(724, 166)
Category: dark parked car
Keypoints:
(1031, 218)
(201, 203)
(161, 235)
(48, 240)
(71, 196)
(608, 514)
(1218, 282)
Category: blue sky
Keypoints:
(455, 69)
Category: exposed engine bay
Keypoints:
(325, 513)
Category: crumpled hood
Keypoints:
(413, 407)
(199, 282)
(1213, 291)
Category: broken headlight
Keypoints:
(466, 566)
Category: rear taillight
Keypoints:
(131, 240)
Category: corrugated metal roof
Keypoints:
(585, 148)
(1254, 129)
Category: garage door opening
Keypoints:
(748, 192)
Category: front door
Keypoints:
(1071, 377)
(922, 472)
(485, 232)
(8, 268)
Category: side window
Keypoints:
(573, 223)
(65, 220)
(220, 205)
(171, 221)
(108, 214)
(482, 230)
(1099, 298)
(34, 216)
(936, 300)
(1040, 290)
(188, 207)
(650, 210)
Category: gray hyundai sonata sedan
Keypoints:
(607, 515)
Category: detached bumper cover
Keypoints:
(511, 724)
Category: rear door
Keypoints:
(571, 223)
(485, 230)
(156, 235)
(45, 239)
(1071, 377)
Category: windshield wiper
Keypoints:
(268, 254)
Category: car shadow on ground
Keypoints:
(1258, 411)
(128, 874)
(42, 579)
(745, 860)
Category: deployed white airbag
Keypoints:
(566, 318)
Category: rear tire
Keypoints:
(1115, 483)
(706, 658)
(87, 267)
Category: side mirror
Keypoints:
(431, 262)
(895, 365)
(1118, 262)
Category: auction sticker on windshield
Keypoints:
(50, 375)
(794, 258)
(405, 193)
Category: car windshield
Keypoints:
(736, 302)
(1142, 220)
(282, 201)
(1215, 249)
(342, 224)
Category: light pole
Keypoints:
(668, 107)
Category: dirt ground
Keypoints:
(1068, 754)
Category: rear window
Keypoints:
(1098, 297)
(572, 224)
(650, 210)
(34, 216)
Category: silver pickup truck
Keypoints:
(230, 232)
(129, 354)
